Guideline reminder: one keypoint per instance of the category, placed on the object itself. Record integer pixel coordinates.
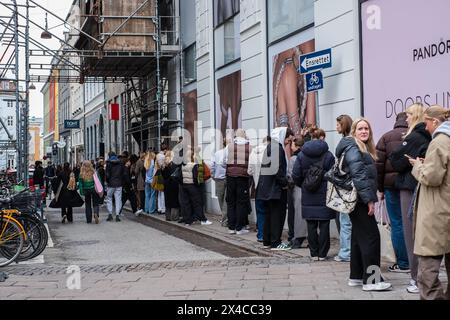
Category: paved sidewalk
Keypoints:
(247, 241)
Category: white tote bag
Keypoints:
(387, 250)
(341, 200)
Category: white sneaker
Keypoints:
(380, 286)
(231, 231)
(412, 288)
(206, 223)
(355, 283)
(243, 231)
(139, 212)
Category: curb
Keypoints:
(260, 253)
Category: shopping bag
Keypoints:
(98, 186)
(386, 249)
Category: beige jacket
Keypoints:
(432, 208)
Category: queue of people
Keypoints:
(408, 168)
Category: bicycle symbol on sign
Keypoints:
(314, 79)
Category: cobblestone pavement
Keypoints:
(270, 276)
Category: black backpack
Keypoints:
(314, 176)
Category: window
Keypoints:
(225, 9)
(288, 16)
(227, 42)
(10, 121)
(190, 65)
(10, 104)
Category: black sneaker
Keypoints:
(396, 269)
(110, 218)
(64, 218)
(117, 219)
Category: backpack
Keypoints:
(314, 176)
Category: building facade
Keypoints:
(8, 132)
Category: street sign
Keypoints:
(314, 81)
(315, 61)
(71, 124)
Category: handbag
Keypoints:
(342, 195)
(386, 249)
(341, 200)
(158, 182)
(98, 185)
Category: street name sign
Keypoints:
(315, 61)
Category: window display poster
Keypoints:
(291, 105)
(229, 103)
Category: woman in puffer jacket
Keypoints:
(314, 210)
(359, 161)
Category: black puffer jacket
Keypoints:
(314, 203)
(115, 173)
(361, 168)
(415, 145)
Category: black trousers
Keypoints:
(319, 244)
(274, 221)
(68, 212)
(291, 215)
(128, 194)
(365, 248)
(238, 202)
(92, 200)
(142, 199)
(192, 203)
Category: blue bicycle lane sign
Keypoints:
(314, 81)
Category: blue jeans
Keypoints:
(345, 236)
(395, 216)
(260, 217)
(150, 199)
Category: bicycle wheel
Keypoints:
(32, 246)
(11, 240)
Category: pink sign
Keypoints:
(406, 57)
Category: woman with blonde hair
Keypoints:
(359, 154)
(432, 210)
(415, 145)
(87, 189)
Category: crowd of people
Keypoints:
(285, 175)
(408, 169)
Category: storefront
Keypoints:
(403, 57)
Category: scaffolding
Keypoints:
(130, 42)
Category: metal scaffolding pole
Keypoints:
(16, 70)
(27, 99)
(158, 70)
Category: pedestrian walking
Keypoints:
(87, 189)
(388, 143)
(313, 161)
(66, 196)
(50, 174)
(115, 171)
(432, 209)
(414, 145)
(128, 188)
(359, 154)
